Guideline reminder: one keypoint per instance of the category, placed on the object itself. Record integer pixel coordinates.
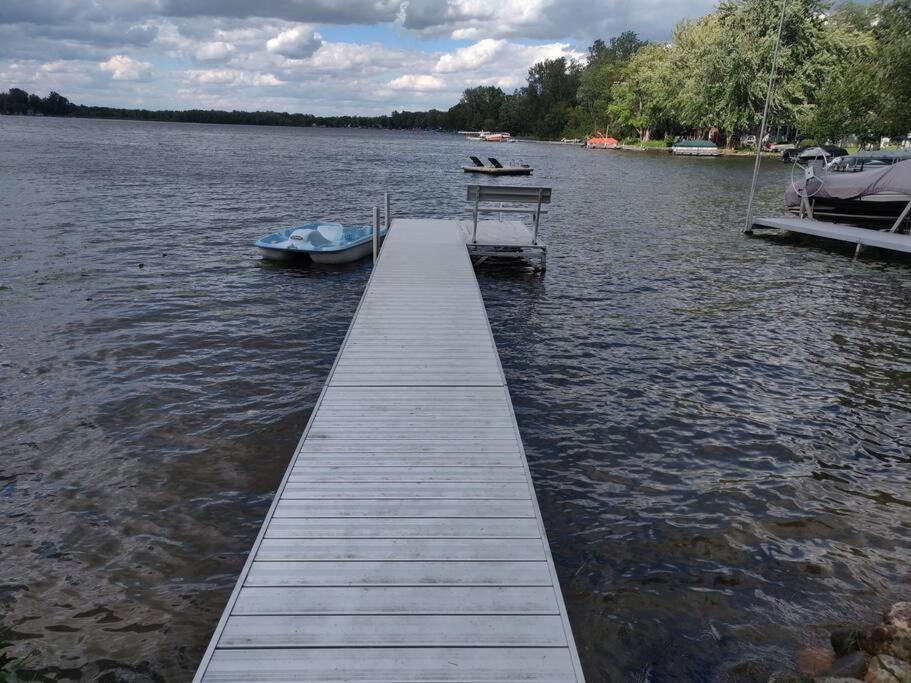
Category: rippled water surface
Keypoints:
(718, 426)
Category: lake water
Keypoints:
(718, 426)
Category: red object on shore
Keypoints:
(599, 141)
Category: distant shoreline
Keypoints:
(723, 151)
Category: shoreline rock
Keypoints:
(893, 636)
(870, 654)
(888, 669)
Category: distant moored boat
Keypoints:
(496, 168)
(600, 141)
(695, 148)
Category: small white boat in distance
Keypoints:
(695, 148)
(320, 242)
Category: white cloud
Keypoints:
(498, 62)
(357, 58)
(417, 83)
(232, 77)
(235, 54)
(298, 43)
(60, 75)
(545, 19)
(123, 68)
(213, 51)
(471, 57)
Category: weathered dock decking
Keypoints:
(405, 541)
(863, 237)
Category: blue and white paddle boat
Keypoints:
(321, 242)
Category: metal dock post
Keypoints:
(376, 233)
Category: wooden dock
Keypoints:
(862, 237)
(405, 541)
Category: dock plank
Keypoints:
(394, 665)
(405, 541)
(405, 527)
(399, 573)
(377, 473)
(434, 489)
(397, 600)
(399, 549)
(394, 630)
(414, 507)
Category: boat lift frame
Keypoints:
(507, 239)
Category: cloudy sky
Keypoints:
(315, 56)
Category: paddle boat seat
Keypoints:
(322, 242)
(320, 236)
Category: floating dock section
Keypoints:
(862, 237)
(405, 541)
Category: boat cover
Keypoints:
(695, 143)
(895, 178)
(821, 151)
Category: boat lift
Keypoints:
(805, 223)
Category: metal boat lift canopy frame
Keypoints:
(510, 194)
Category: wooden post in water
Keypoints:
(376, 232)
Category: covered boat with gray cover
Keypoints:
(873, 198)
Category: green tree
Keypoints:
(843, 103)
(644, 94)
(16, 101)
(479, 108)
(596, 82)
(56, 104)
(893, 64)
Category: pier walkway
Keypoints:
(405, 541)
(862, 237)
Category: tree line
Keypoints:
(843, 70)
(18, 101)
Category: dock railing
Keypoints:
(509, 194)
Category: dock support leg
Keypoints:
(376, 232)
(387, 218)
(858, 250)
(902, 216)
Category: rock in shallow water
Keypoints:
(846, 640)
(815, 661)
(900, 615)
(785, 676)
(893, 636)
(853, 665)
(747, 671)
(887, 669)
